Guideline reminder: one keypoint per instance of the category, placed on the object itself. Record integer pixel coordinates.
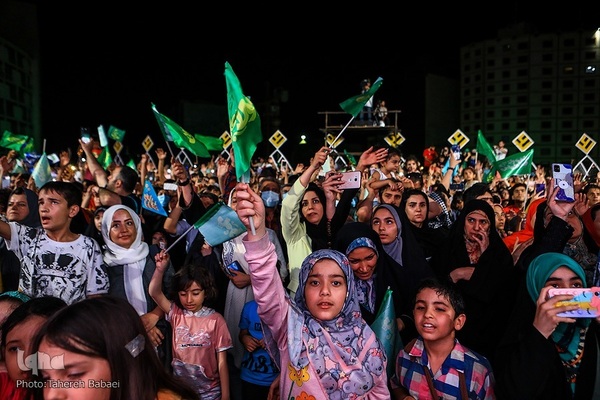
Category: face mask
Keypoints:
(285, 195)
(163, 199)
(271, 199)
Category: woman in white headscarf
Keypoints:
(130, 266)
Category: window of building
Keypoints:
(566, 124)
(545, 151)
(467, 67)
(587, 124)
(522, 99)
(477, 90)
(590, 55)
(506, 61)
(568, 84)
(491, 63)
(506, 100)
(566, 111)
(589, 83)
(521, 126)
(547, 85)
(489, 127)
(589, 96)
(505, 74)
(505, 113)
(490, 101)
(523, 59)
(546, 98)
(569, 42)
(548, 57)
(489, 114)
(588, 110)
(477, 77)
(568, 70)
(567, 97)
(477, 65)
(547, 71)
(477, 103)
(547, 44)
(523, 45)
(566, 138)
(477, 115)
(467, 92)
(568, 56)
(546, 138)
(523, 85)
(546, 111)
(522, 112)
(505, 126)
(478, 52)
(491, 75)
(505, 87)
(565, 151)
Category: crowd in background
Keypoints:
(468, 257)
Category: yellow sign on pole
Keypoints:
(147, 143)
(331, 138)
(277, 139)
(226, 137)
(394, 139)
(118, 146)
(523, 141)
(459, 138)
(585, 143)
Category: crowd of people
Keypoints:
(102, 298)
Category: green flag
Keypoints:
(13, 141)
(41, 171)
(351, 158)
(219, 224)
(386, 330)
(28, 147)
(244, 124)
(354, 104)
(484, 148)
(116, 134)
(517, 164)
(210, 142)
(175, 133)
(105, 159)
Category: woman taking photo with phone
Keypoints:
(545, 356)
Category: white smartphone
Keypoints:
(170, 186)
(350, 180)
(563, 178)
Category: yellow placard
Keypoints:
(523, 141)
(394, 139)
(585, 143)
(226, 137)
(277, 139)
(459, 138)
(118, 147)
(331, 138)
(147, 143)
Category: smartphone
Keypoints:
(588, 300)
(457, 186)
(234, 266)
(563, 178)
(85, 135)
(455, 151)
(350, 180)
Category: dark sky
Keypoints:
(106, 65)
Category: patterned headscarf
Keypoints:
(340, 345)
(366, 292)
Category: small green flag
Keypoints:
(350, 157)
(13, 141)
(244, 124)
(105, 159)
(116, 134)
(386, 330)
(355, 104)
(484, 148)
(41, 171)
(517, 164)
(219, 224)
(182, 139)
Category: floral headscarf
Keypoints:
(343, 342)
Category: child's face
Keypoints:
(122, 229)
(17, 347)
(98, 220)
(385, 225)
(55, 214)
(325, 291)
(435, 317)
(192, 298)
(77, 368)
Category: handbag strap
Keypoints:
(462, 382)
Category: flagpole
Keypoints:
(44, 147)
(342, 131)
(179, 238)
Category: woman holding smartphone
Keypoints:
(543, 355)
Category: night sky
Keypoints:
(106, 65)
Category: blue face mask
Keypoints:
(163, 199)
(271, 199)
